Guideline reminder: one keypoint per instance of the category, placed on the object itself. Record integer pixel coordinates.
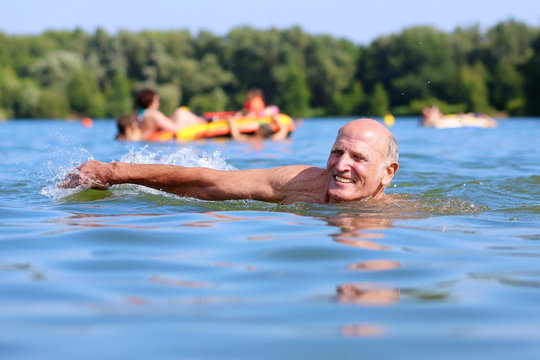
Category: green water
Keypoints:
(451, 271)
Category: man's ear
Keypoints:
(388, 173)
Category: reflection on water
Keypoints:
(374, 265)
(355, 230)
(366, 294)
(363, 330)
(162, 280)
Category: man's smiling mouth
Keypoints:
(342, 180)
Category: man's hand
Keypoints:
(92, 174)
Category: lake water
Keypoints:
(451, 272)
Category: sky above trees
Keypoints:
(358, 21)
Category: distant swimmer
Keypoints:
(362, 163)
(433, 117)
(87, 122)
(128, 128)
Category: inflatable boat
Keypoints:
(220, 127)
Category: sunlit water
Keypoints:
(451, 271)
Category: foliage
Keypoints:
(73, 73)
(216, 100)
(532, 81)
(53, 104)
(476, 91)
(293, 93)
(378, 104)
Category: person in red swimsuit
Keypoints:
(254, 103)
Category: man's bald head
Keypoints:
(374, 129)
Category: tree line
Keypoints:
(59, 74)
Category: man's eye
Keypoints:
(337, 152)
(359, 158)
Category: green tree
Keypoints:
(97, 106)
(330, 66)
(350, 102)
(170, 96)
(378, 102)
(508, 46)
(293, 94)
(105, 57)
(204, 76)
(510, 40)
(415, 64)
(9, 89)
(476, 90)
(81, 93)
(507, 89)
(531, 72)
(216, 100)
(56, 69)
(53, 104)
(467, 44)
(28, 100)
(119, 99)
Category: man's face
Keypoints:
(354, 165)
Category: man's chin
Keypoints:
(339, 196)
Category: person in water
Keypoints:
(254, 106)
(264, 130)
(433, 117)
(128, 128)
(152, 120)
(361, 164)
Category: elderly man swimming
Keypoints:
(361, 164)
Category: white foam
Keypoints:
(183, 157)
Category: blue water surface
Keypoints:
(452, 271)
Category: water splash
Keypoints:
(183, 157)
(56, 171)
(63, 157)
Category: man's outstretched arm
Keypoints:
(271, 185)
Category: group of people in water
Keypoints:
(148, 119)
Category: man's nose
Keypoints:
(343, 163)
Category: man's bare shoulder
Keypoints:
(301, 183)
(297, 169)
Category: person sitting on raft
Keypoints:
(128, 128)
(254, 105)
(152, 120)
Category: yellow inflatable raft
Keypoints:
(220, 127)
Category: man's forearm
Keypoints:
(194, 182)
(185, 181)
